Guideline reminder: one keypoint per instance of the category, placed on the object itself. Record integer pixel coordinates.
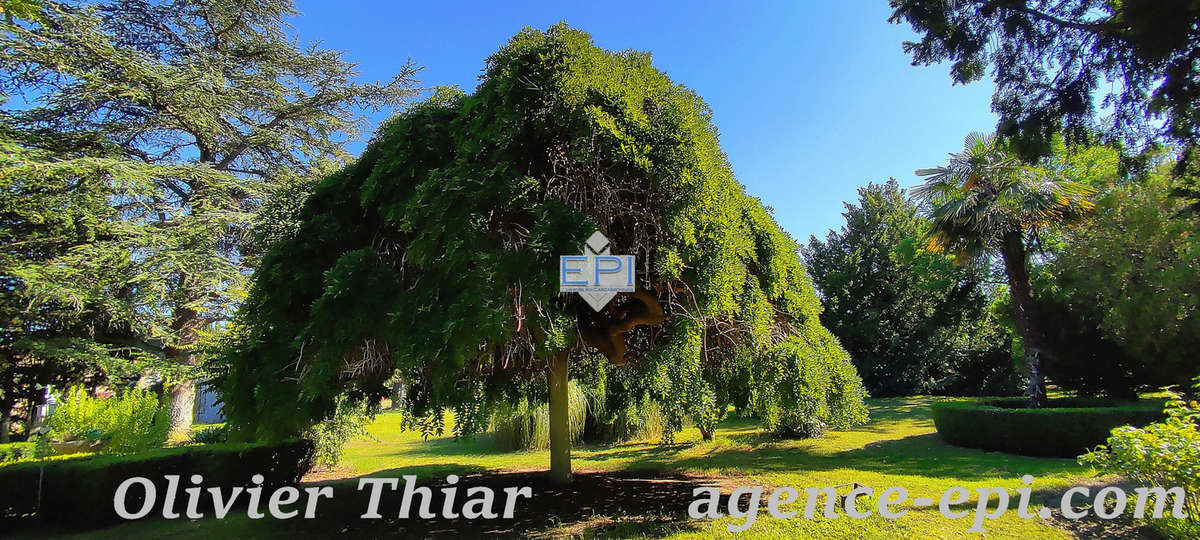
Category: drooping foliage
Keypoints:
(912, 321)
(436, 253)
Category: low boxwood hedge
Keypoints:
(1066, 428)
(77, 492)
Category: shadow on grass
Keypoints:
(592, 504)
(623, 503)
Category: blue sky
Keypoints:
(812, 99)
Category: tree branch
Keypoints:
(609, 339)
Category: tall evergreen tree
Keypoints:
(912, 320)
(186, 111)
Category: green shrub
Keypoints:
(806, 385)
(1163, 454)
(1067, 428)
(14, 452)
(77, 492)
(637, 421)
(130, 421)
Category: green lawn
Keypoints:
(898, 447)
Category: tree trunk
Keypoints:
(560, 433)
(1025, 313)
(182, 403)
(397, 394)
(181, 395)
(5, 417)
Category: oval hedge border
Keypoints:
(1066, 428)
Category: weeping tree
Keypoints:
(436, 255)
(986, 201)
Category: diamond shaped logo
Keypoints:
(597, 275)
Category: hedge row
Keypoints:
(1066, 428)
(78, 492)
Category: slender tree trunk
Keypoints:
(560, 434)
(397, 394)
(1025, 313)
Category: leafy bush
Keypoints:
(78, 491)
(1163, 454)
(1066, 428)
(807, 385)
(130, 421)
(14, 452)
(637, 421)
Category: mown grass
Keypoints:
(898, 447)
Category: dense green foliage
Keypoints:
(1077, 64)
(912, 321)
(1064, 428)
(47, 208)
(1165, 454)
(436, 254)
(13, 452)
(812, 386)
(1123, 292)
(130, 421)
(78, 492)
(160, 127)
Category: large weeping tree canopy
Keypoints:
(436, 254)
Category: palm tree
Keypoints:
(985, 201)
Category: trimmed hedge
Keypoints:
(1067, 428)
(77, 492)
